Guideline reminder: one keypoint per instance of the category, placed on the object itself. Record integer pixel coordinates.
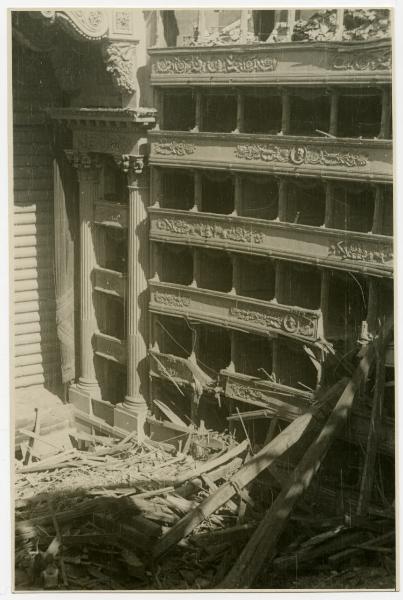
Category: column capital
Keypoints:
(87, 164)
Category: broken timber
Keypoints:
(289, 436)
(262, 545)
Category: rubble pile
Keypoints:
(114, 513)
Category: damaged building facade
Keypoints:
(203, 229)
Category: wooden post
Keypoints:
(156, 191)
(196, 267)
(245, 14)
(234, 341)
(385, 132)
(159, 37)
(329, 206)
(236, 274)
(282, 199)
(240, 106)
(279, 282)
(137, 297)
(373, 305)
(158, 95)
(156, 260)
(339, 24)
(291, 24)
(377, 222)
(286, 112)
(324, 299)
(198, 191)
(198, 112)
(334, 109)
(237, 195)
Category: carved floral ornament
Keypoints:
(173, 147)
(271, 318)
(364, 251)
(227, 63)
(88, 24)
(236, 233)
(299, 155)
(380, 60)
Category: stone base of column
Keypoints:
(89, 387)
(131, 416)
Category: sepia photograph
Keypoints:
(202, 294)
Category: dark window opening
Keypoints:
(217, 193)
(254, 355)
(262, 113)
(310, 113)
(386, 299)
(215, 271)
(306, 203)
(110, 314)
(112, 252)
(294, 367)
(354, 208)
(176, 264)
(178, 189)
(174, 335)
(263, 23)
(170, 25)
(179, 110)
(301, 286)
(389, 393)
(219, 112)
(114, 183)
(360, 115)
(347, 305)
(387, 211)
(213, 349)
(112, 380)
(257, 278)
(259, 198)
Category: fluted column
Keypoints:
(88, 169)
(137, 293)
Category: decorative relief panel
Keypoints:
(110, 282)
(226, 63)
(299, 155)
(89, 24)
(111, 348)
(167, 365)
(169, 147)
(119, 59)
(237, 388)
(365, 251)
(215, 307)
(235, 233)
(364, 61)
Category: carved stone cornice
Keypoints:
(88, 24)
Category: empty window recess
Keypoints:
(111, 252)
(301, 286)
(309, 113)
(306, 203)
(294, 367)
(256, 278)
(387, 211)
(173, 335)
(179, 110)
(217, 193)
(113, 182)
(386, 299)
(259, 198)
(112, 379)
(219, 112)
(262, 112)
(177, 189)
(175, 264)
(215, 270)
(254, 355)
(213, 349)
(347, 305)
(359, 114)
(353, 207)
(110, 315)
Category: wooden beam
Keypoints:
(262, 545)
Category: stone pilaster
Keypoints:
(88, 169)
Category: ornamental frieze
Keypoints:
(175, 148)
(299, 155)
(369, 61)
(243, 392)
(228, 63)
(361, 252)
(290, 323)
(171, 299)
(208, 231)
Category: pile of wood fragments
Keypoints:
(113, 513)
